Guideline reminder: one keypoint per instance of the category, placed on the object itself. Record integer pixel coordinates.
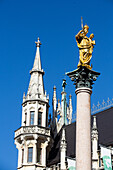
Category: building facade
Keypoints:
(49, 144)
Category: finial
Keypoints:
(54, 88)
(38, 43)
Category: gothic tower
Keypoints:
(32, 137)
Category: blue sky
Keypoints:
(56, 23)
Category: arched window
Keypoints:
(32, 118)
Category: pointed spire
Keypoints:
(63, 147)
(54, 103)
(37, 61)
(70, 109)
(94, 129)
(94, 123)
(64, 103)
(54, 92)
(36, 85)
(94, 135)
(63, 135)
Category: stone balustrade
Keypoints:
(32, 130)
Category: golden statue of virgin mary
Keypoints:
(85, 46)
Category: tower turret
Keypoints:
(54, 102)
(32, 137)
(62, 114)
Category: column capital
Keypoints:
(83, 77)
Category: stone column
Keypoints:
(25, 153)
(19, 157)
(83, 79)
(83, 129)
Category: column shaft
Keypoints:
(83, 129)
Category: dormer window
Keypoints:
(32, 118)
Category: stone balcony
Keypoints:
(32, 130)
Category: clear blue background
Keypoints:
(56, 23)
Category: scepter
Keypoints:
(82, 23)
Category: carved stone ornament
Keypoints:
(32, 130)
(83, 77)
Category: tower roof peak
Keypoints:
(38, 43)
(37, 61)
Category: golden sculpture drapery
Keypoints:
(85, 46)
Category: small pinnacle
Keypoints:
(48, 97)
(24, 94)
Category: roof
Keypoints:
(105, 132)
(105, 126)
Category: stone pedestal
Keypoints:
(83, 80)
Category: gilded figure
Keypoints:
(85, 46)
